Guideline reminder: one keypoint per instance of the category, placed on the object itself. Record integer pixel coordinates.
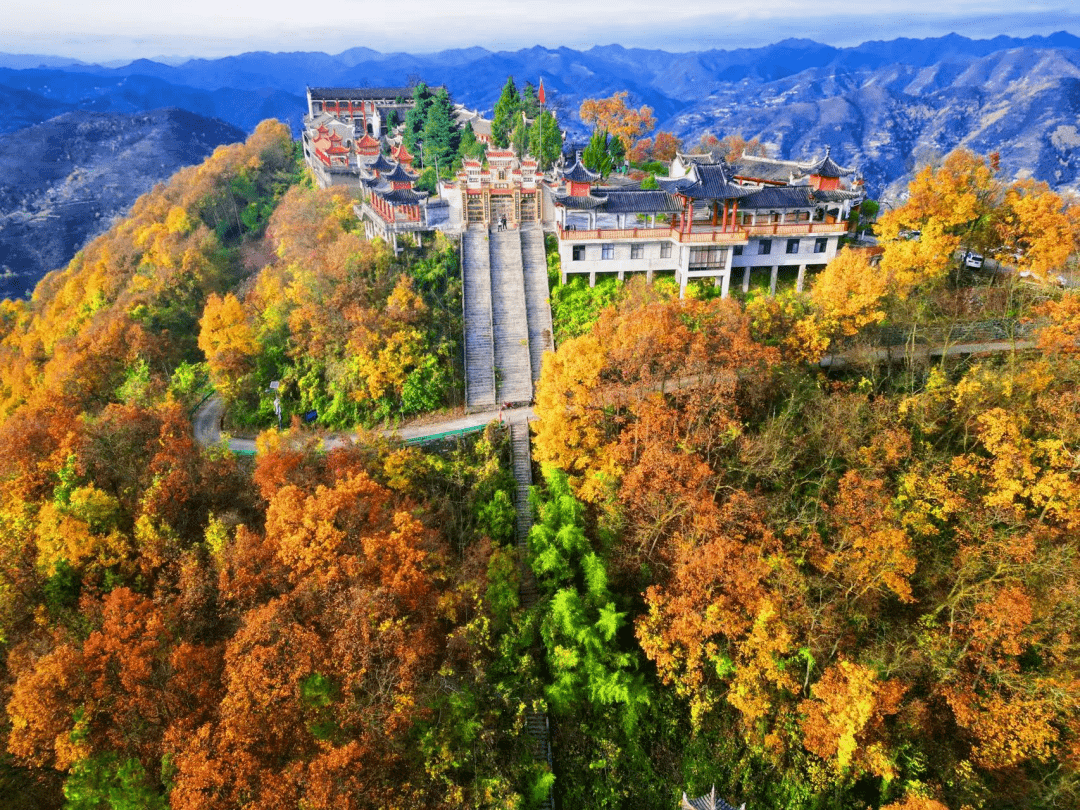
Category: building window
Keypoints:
(764, 247)
(579, 253)
(607, 251)
(821, 244)
(665, 250)
(792, 245)
(637, 251)
(737, 250)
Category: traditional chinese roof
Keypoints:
(622, 201)
(399, 175)
(705, 182)
(401, 154)
(579, 174)
(826, 167)
(784, 197)
(358, 93)
(367, 142)
(381, 164)
(793, 197)
(710, 801)
(578, 203)
(402, 196)
(767, 170)
(837, 195)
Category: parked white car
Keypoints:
(973, 260)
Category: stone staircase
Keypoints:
(537, 296)
(479, 334)
(513, 378)
(536, 722)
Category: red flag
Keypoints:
(540, 94)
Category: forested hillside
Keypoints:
(846, 589)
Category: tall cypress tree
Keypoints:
(417, 116)
(507, 114)
(545, 137)
(440, 136)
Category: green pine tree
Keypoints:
(440, 134)
(416, 118)
(507, 113)
(596, 155)
(550, 144)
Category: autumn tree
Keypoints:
(614, 116)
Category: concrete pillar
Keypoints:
(683, 273)
(592, 278)
(592, 220)
(725, 282)
(648, 275)
(772, 279)
(746, 279)
(802, 277)
(622, 274)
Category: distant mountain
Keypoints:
(881, 105)
(63, 181)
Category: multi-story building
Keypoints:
(713, 220)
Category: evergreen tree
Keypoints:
(596, 155)
(416, 118)
(519, 137)
(545, 137)
(507, 113)
(468, 146)
(440, 136)
(529, 102)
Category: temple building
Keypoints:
(753, 219)
(346, 128)
(506, 189)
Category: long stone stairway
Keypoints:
(536, 722)
(537, 296)
(479, 335)
(513, 378)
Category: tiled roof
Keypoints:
(399, 175)
(837, 195)
(706, 182)
(402, 196)
(358, 93)
(826, 167)
(765, 169)
(710, 801)
(381, 164)
(787, 197)
(579, 174)
(578, 203)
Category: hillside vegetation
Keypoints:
(814, 590)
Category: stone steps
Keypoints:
(537, 298)
(513, 379)
(479, 334)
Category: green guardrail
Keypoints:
(434, 437)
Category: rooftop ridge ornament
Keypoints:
(710, 801)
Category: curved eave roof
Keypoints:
(579, 174)
(399, 175)
(578, 203)
(402, 196)
(826, 167)
(381, 164)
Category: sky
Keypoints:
(102, 30)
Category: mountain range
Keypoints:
(883, 106)
(64, 181)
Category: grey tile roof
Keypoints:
(706, 182)
(765, 169)
(359, 93)
(786, 197)
(579, 174)
(648, 201)
(399, 175)
(402, 196)
(381, 164)
(826, 167)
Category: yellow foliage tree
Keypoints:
(612, 115)
(228, 341)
